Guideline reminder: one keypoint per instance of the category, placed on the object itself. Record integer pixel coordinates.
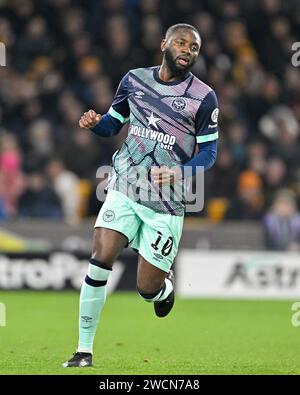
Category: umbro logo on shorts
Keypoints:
(157, 256)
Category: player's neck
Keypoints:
(166, 75)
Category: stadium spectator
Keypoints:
(11, 177)
(39, 200)
(282, 223)
(40, 145)
(93, 204)
(81, 145)
(237, 134)
(249, 203)
(256, 160)
(282, 128)
(275, 177)
(34, 42)
(66, 186)
(222, 181)
(3, 214)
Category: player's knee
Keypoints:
(107, 245)
(149, 285)
(148, 289)
(100, 253)
(107, 260)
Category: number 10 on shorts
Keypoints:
(166, 248)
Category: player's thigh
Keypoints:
(159, 238)
(116, 225)
(107, 245)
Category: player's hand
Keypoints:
(89, 119)
(165, 175)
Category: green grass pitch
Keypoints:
(198, 337)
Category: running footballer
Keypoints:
(171, 115)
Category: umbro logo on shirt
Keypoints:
(139, 94)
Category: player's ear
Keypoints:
(163, 45)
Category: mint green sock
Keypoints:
(92, 299)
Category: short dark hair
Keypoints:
(178, 26)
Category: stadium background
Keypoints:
(66, 56)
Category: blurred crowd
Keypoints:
(67, 56)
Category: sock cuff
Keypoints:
(98, 273)
(167, 290)
(85, 350)
(94, 283)
(154, 296)
(85, 347)
(162, 294)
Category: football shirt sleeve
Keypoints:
(120, 107)
(204, 159)
(207, 119)
(107, 127)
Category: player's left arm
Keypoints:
(206, 137)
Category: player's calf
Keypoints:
(164, 298)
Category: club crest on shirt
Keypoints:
(178, 104)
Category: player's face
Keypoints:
(181, 50)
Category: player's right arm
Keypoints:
(110, 123)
